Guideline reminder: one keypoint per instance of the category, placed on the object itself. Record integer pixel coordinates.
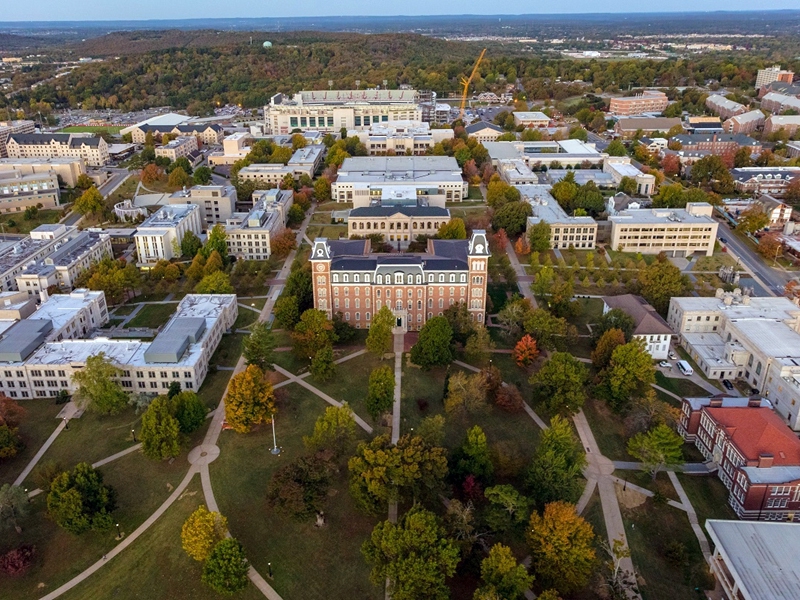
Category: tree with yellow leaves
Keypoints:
(201, 531)
(250, 400)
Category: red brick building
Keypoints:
(757, 455)
(349, 279)
(717, 143)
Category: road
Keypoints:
(774, 279)
(599, 142)
(107, 188)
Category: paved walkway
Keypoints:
(66, 414)
(693, 521)
(398, 376)
(523, 279)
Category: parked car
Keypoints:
(728, 385)
(673, 356)
(665, 364)
(723, 240)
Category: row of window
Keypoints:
(414, 225)
(398, 278)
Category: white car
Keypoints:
(673, 356)
(664, 364)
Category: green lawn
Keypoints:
(36, 426)
(591, 311)
(332, 232)
(307, 562)
(246, 318)
(679, 386)
(475, 193)
(151, 297)
(608, 429)
(333, 205)
(90, 438)
(153, 315)
(213, 387)
(254, 302)
(124, 310)
(17, 223)
(228, 351)
(714, 262)
(708, 496)
(651, 528)
(156, 567)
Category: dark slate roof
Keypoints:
(767, 174)
(457, 249)
(481, 125)
(408, 211)
(445, 264)
(648, 321)
(689, 139)
(44, 139)
(348, 247)
(349, 255)
(198, 127)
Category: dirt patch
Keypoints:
(629, 498)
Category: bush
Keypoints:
(15, 562)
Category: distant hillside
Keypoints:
(139, 42)
(14, 43)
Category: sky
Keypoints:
(75, 10)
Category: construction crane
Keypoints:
(466, 82)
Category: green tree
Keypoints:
(661, 281)
(507, 507)
(562, 547)
(10, 441)
(658, 449)
(465, 394)
(753, 219)
(216, 283)
(178, 178)
(334, 431)
(322, 189)
(513, 217)
(434, 344)
(710, 171)
(608, 342)
(380, 338)
(217, 240)
(299, 285)
(79, 501)
(479, 345)
(189, 410)
(287, 311)
(559, 384)
(539, 236)
(461, 322)
(184, 164)
(295, 215)
(84, 182)
(213, 264)
(628, 374)
(91, 202)
(160, 431)
(380, 395)
(616, 318)
(312, 333)
(14, 504)
(627, 185)
(300, 488)
(414, 556)
(202, 176)
(201, 532)
(548, 330)
(503, 575)
(616, 148)
(322, 367)
(250, 400)
(226, 569)
(98, 389)
(258, 347)
(742, 158)
(454, 229)
(473, 457)
(190, 245)
(381, 472)
(556, 470)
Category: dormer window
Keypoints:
(335, 278)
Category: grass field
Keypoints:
(332, 232)
(679, 386)
(153, 315)
(246, 318)
(124, 310)
(35, 427)
(708, 496)
(213, 387)
(608, 429)
(229, 350)
(475, 193)
(23, 225)
(91, 129)
(307, 562)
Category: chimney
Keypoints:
(754, 402)
(765, 461)
(44, 295)
(715, 402)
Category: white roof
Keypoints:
(407, 170)
(761, 557)
(531, 116)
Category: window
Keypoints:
(335, 278)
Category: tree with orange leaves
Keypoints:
(525, 351)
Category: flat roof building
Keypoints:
(159, 237)
(555, 154)
(531, 119)
(234, 147)
(565, 230)
(620, 167)
(216, 202)
(399, 225)
(19, 190)
(67, 168)
(400, 138)
(678, 232)
(627, 127)
(430, 180)
(16, 255)
(766, 76)
(180, 147)
(646, 102)
(332, 110)
(249, 235)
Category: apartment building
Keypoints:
(249, 235)
(723, 107)
(425, 180)
(93, 150)
(180, 352)
(649, 101)
(484, 132)
(766, 76)
(159, 237)
(216, 202)
(757, 458)
(649, 326)
(755, 339)
(16, 255)
(678, 232)
(620, 167)
(744, 123)
(182, 147)
(350, 280)
(565, 230)
(20, 190)
(8, 128)
(399, 225)
(777, 103)
(628, 127)
(530, 119)
(788, 123)
(759, 181)
(69, 259)
(234, 147)
(552, 155)
(208, 134)
(332, 110)
(400, 138)
(754, 560)
(307, 161)
(68, 169)
(717, 143)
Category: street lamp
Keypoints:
(133, 433)
(119, 533)
(269, 567)
(275, 450)
(66, 423)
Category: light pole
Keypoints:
(66, 423)
(119, 533)
(275, 450)
(133, 433)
